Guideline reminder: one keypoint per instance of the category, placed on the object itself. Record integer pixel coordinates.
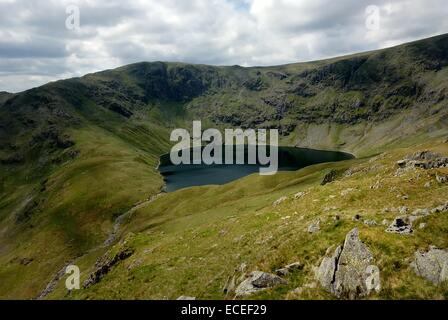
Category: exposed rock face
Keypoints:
(257, 281)
(105, 263)
(289, 268)
(431, 265)
(424, 160)
(400, 226)
(349, 272)
(329, 177)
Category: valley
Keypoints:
(79, 160)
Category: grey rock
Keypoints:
(186, 298)
(441, 208)
(289, 268)
(370, 223)
(421, 212)
(373, 280)
(423, 160)
(400, 226)
(314, 227)
(441, 177)
(299, 195)
(431, 265)
(349, 272)
(403, 210)
(257, 281)
(329, 177)
(279, 201)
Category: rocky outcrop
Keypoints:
(349, 272)
(400, 226)
(441, 177)
(329, 177)
(258, 281)
(431, 265)
(424, 160)
(105, 263)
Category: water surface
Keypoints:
(289, 158)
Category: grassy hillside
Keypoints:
(77, 154)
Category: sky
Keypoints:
(47, 40)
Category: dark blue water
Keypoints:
(289, 159)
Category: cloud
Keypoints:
(36, 47)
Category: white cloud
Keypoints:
(35, 46)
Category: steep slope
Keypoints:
(76, 154)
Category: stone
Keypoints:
(441, 177)
(258, 281)
(299, 195)
(424, 160)
(422, 225)
(329, 177)
(289, 268)
(279, 201)
(385, 222)
(403, 210)
(370, 223)
(314, 227)
(431, 265)
(421, 212)
(357, 217)
(399, 226)
(186, 298)
(441, 208)
(427, 185)
(373, 281)
(349, 272)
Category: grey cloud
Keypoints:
(35, 46)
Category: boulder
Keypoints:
(329, 177)
(258, 281)
(370, 223)
(314, 227)
(349, 272)
(441, 177)
(400, 226)
(431, 265)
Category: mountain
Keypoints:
(77, 154)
